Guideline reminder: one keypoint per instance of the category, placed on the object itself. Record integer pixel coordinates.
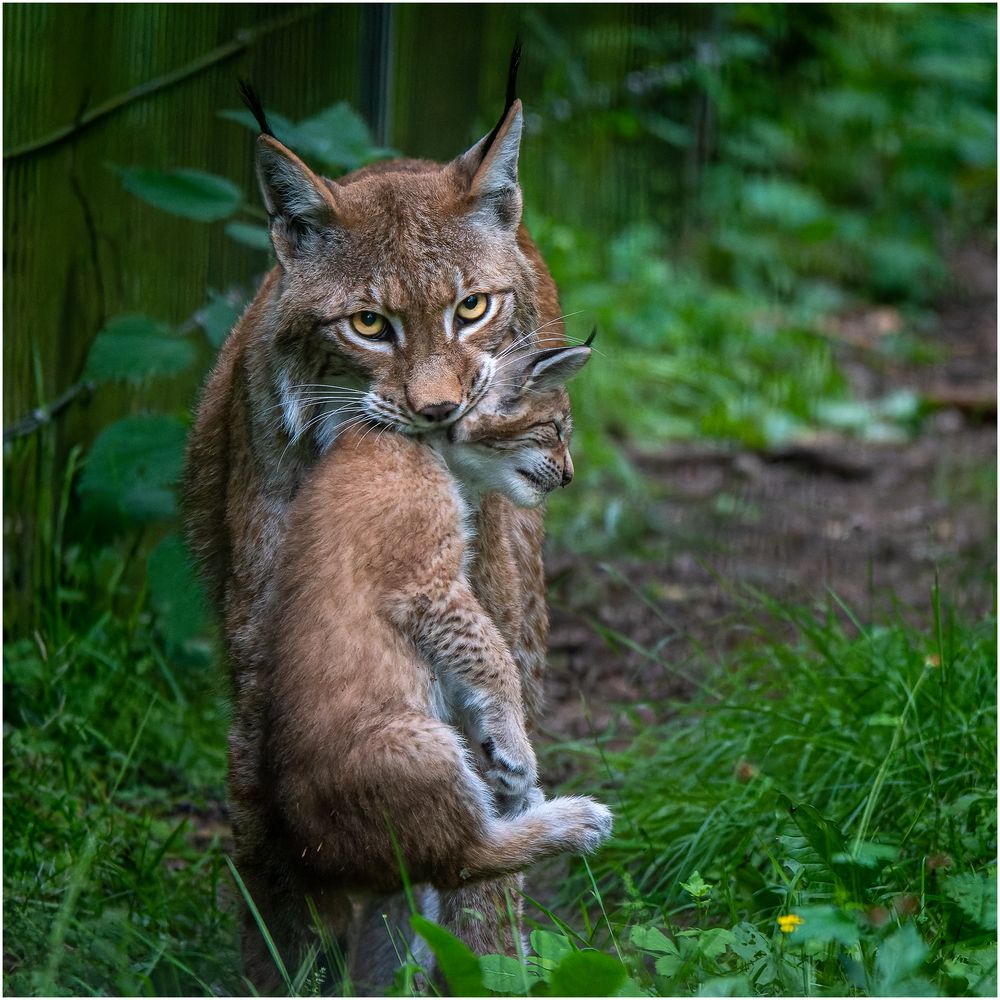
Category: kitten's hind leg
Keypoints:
(487, 915)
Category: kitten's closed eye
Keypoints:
(546, 434)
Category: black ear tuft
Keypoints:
(515, 63)
(590, 339)
(252, 100)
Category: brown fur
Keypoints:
(399, 236)
(376, 647)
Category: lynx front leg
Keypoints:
(482, 682)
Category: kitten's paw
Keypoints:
(582, 823)
(511, 770)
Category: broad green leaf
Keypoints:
(898, 959)
(132, 467)
(652, 939)
(457, 963)
(588, 974)
(337, 138)
(714, 941)
(748, 942)
(824, 924)
(217, 318)
(550, 949)
(823, 836)
(175, 592)
(193, 194)
(280, 125)
(134, 348)
(630, 988)
(249, 235)
(868, 855)
(669, 965)
(505, 974)
(725, 986)
(976, 897)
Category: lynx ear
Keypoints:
(555, 367)
(300, 205)
(491, 165)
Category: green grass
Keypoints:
(111, 752)
(847, 776)
(882, 738)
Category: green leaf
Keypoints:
(550, 949)
(337, 138)
(868, 855)
(975, 896)
(457, 963)
(824, 924)
(669, 965)
(217, 318)
(898, 958)
(280, 125)
(175, 592)
(697, 886)
(134, 348)
(652, 939)
(823, 836)
(193, 194)
(132, 467)
(713, 942)
(249, 235)
(725, 986)
(505, 974)
(588, 974)
(748, 942)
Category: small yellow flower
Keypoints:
(933, 660)
(787, 922)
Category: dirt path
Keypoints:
(871, 523)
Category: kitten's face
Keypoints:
(517, 447)
(516, 439)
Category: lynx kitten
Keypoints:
(381, 650)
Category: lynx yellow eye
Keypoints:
(473, 307)
(369, 324)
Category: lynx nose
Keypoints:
(438, 411)
(567, 476)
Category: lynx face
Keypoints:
(516, 440)
(399, 284)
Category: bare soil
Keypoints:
(875, 525)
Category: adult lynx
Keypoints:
(395, 288)
(379, 643)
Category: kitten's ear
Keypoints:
(555, 367)
(491, 164)
(299, 204)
